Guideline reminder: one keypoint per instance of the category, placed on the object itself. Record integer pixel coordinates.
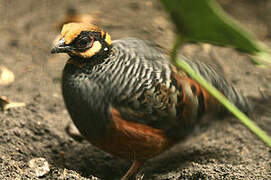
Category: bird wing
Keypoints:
(166, 98)
(173, 106)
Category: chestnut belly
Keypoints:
(131, 140)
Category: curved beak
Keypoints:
(61, 47)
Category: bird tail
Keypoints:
(219, 82)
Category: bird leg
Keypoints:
(133, 169)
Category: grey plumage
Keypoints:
(133, 71)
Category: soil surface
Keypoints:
(223, 150)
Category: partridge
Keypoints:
(127, 99)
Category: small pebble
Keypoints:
(39, 166)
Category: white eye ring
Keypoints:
(105, 49)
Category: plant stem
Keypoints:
(223, 100)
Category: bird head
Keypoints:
(83, 41)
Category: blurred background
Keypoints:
(28, 30)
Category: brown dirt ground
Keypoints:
(224, 150)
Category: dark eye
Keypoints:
(83, 42)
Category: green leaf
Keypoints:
(205, 21)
